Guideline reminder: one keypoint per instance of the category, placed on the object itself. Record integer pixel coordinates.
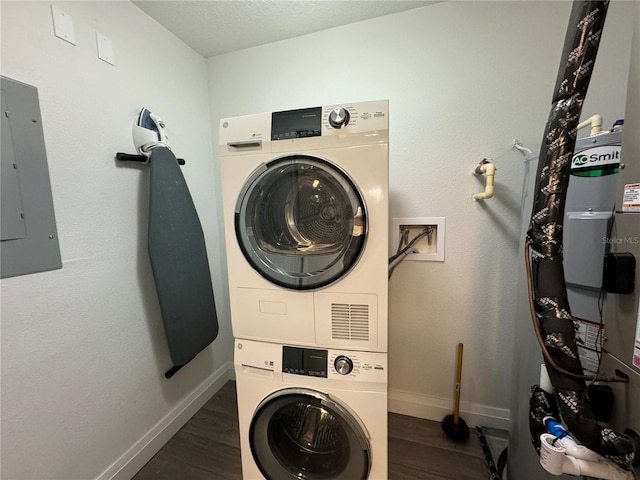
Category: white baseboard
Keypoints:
(435, 408)
(144, 449)
(232, 372)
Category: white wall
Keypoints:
(463, 80)
(83, 348)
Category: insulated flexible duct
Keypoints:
(547, 289)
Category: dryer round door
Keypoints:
(300, 222)
(303, 434)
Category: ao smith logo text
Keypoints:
(597, 161)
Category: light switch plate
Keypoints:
(105, 48)
(63, 25)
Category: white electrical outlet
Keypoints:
(430, 248)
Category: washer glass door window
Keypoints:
(303, 434)
(300, 222)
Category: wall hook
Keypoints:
(128, 157)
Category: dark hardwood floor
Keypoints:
(208, 448)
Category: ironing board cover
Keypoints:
(179, 261)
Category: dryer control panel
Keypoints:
(306, 122)
(358, 123)
(329, 120)
(355, 118)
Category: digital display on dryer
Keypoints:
(304, 361)
(306, 122)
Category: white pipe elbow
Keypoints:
(596, 124)
(554, 459)
(579, 452)
(489, 170)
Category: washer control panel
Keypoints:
(304, 361)
(367, 366)
(339, 365)
(313, 362)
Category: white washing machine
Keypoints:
(308, 413)
(305, 196)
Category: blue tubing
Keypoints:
(555, 428)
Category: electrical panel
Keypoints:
(28, 226)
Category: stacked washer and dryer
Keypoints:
(305, 196)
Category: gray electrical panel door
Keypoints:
(13, 224)
(28, 225)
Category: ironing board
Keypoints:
(179, 262)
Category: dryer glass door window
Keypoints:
(300, 222)
(303, 434)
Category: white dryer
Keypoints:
(305, 198)
(307, 413)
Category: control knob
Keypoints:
(343, 365)
(339, 117)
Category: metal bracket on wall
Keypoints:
(128, 157)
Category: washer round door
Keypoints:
(303, 434)
(300, 222)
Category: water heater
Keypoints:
(611, 203)
(588, 223)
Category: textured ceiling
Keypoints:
(218, 26)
